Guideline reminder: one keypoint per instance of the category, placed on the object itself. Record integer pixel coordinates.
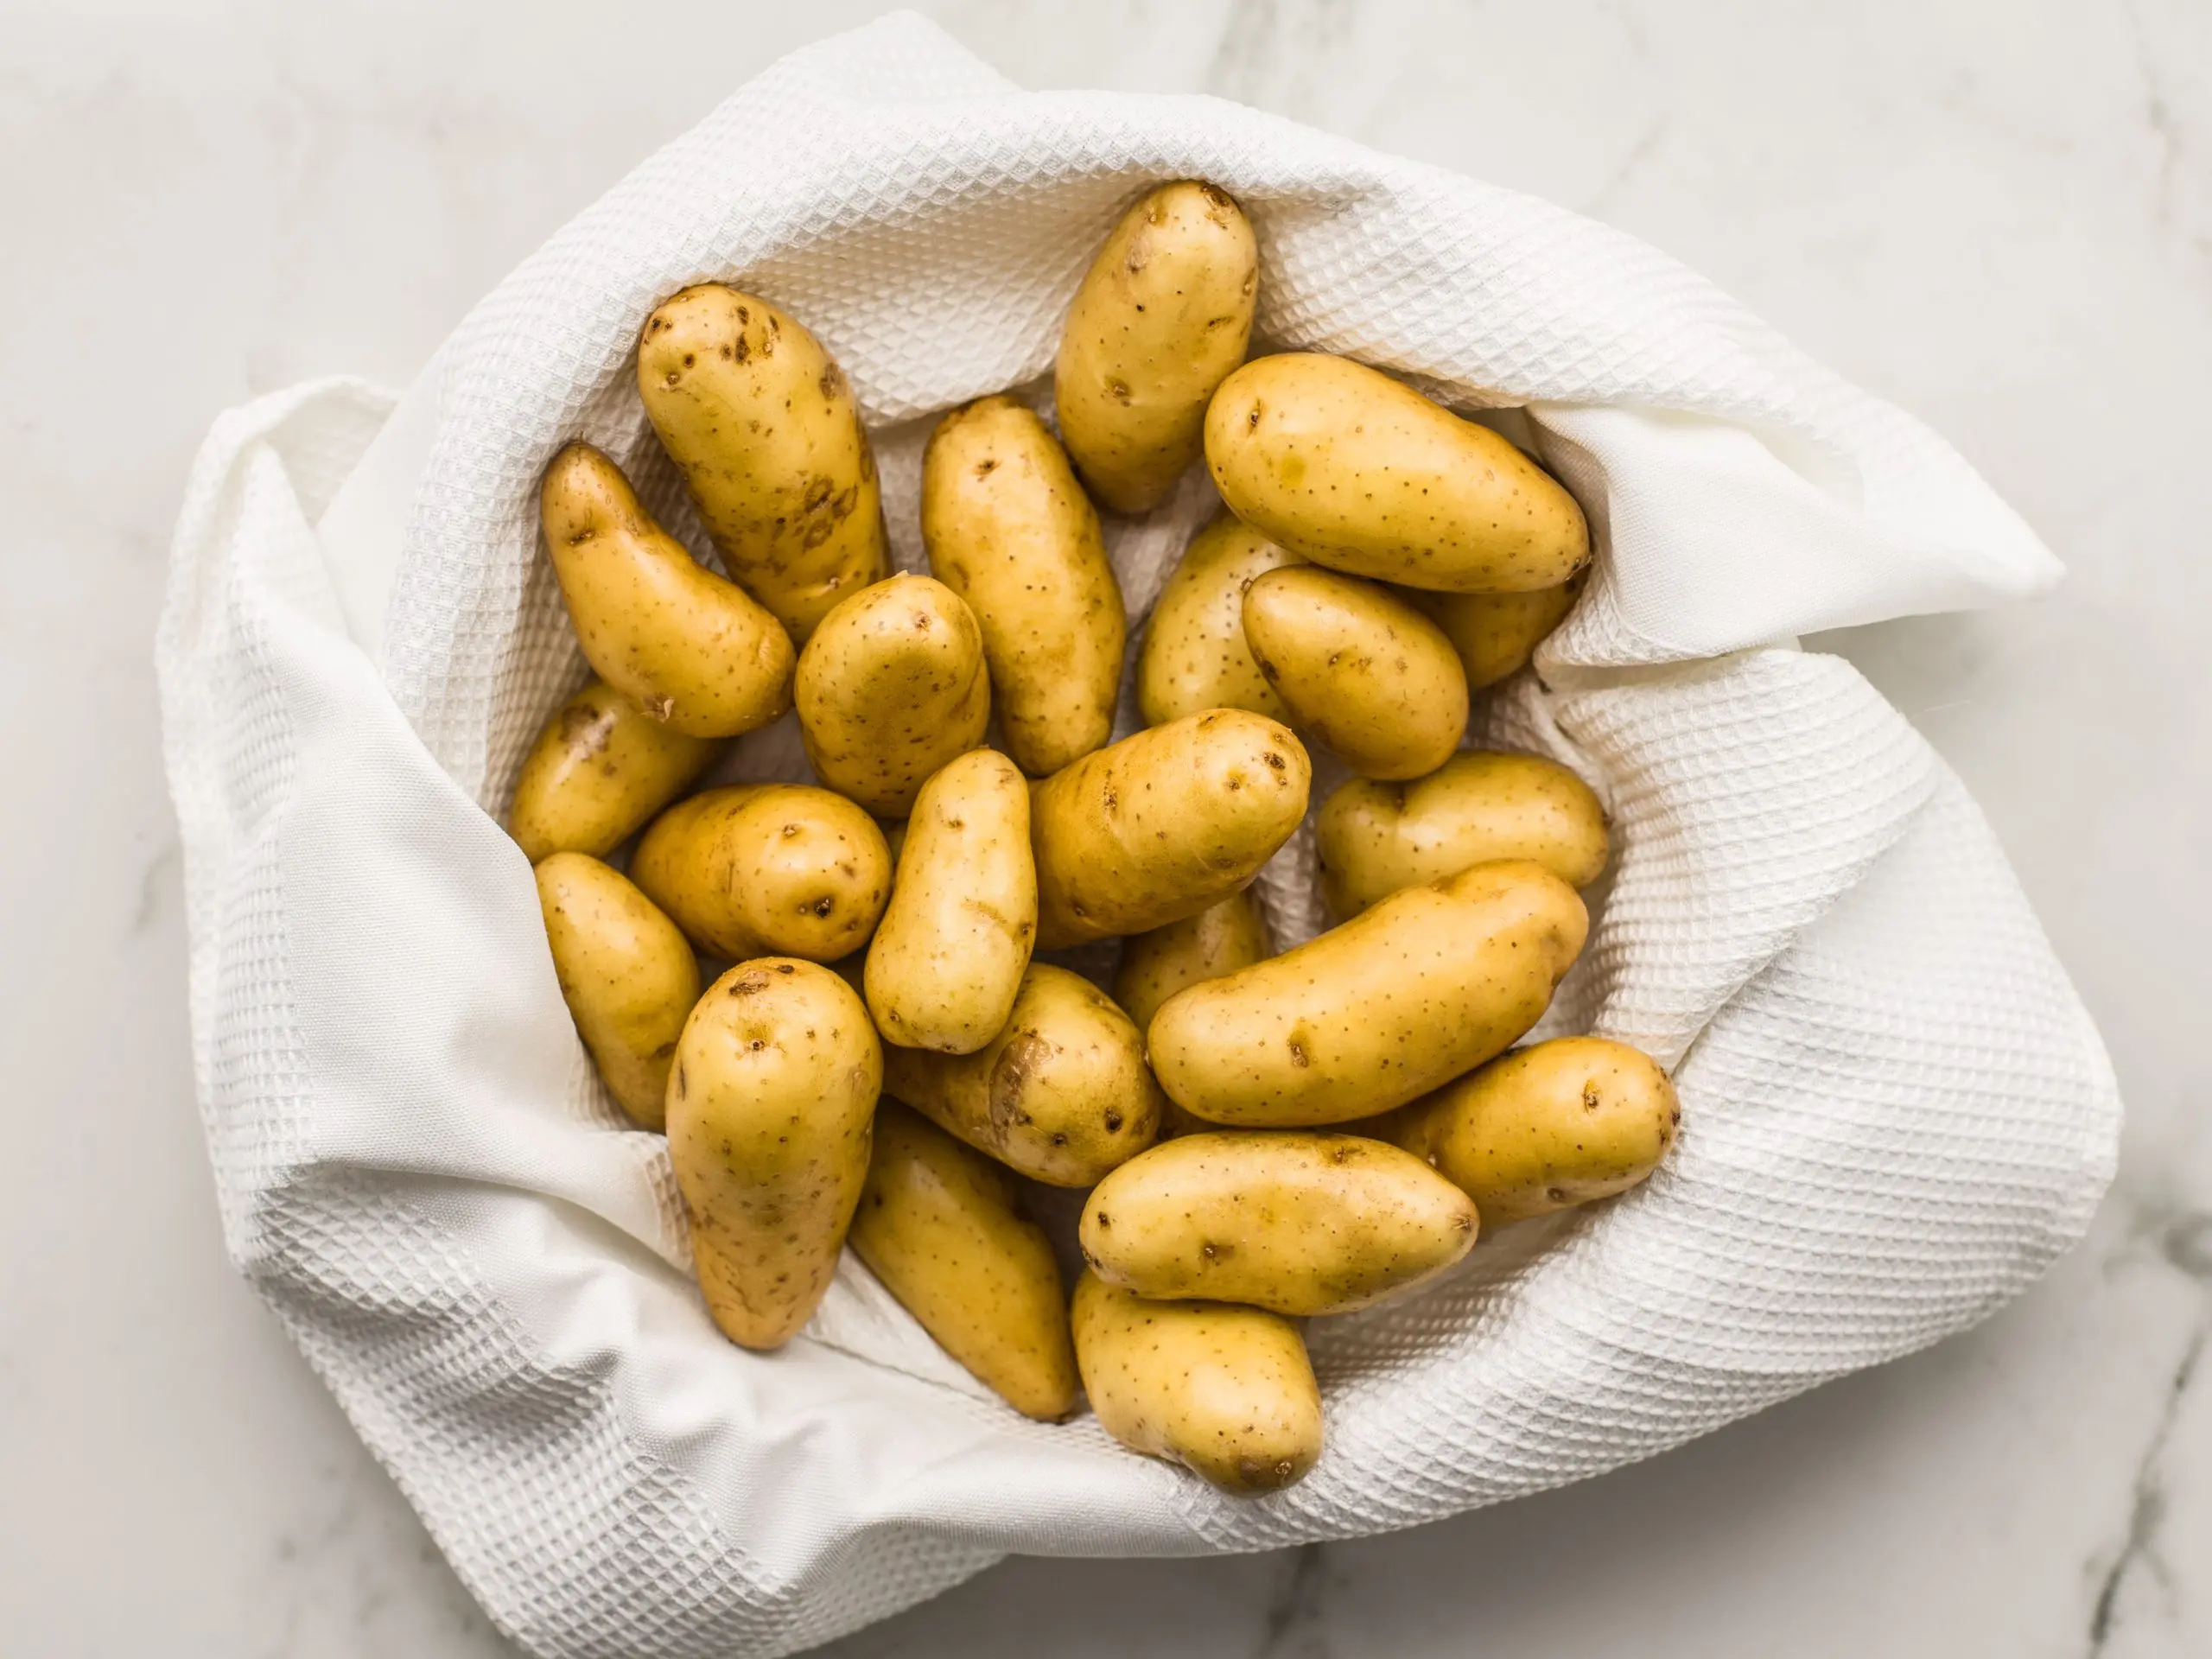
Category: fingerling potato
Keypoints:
(939, 1225)
(1227, 1392)
(1377, 1011)
(1346, 467)
(1163, 824)
(1546, 1127)
(889, 688)
(692, 651)
(769, 1109)
(1496, 634)
(947, 961)
(1375, 838)
(1218, 940)
(1194, 656)
(753, 869)
(1009, 530)
(1295, 1222)
(1061, 1094)
(602, 767)
(1361, 671)
(1162, 316)
(763, 425)
(626, 974)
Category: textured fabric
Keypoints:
(1897, 1112)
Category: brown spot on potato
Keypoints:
(1010, 1073)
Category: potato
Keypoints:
(1163, 824)
(1163, 315)
(1497, 633)
(1061, 1094)
(627, 976)
(690, 649)
(1218, 940)
(890, 688)
(769, 1109)
(1296, 1223)
(1430, 982)
(1010, 530)
(782, 870)
(1194, 656)
(1544, 1128)
(938, 1224)
(765, 429)
(601, 768)
(1345, 466)
(948, 960)
(1362, 672)
(1375, 838)
(1227, 1392)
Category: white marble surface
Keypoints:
(1996, 213)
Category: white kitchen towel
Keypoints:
(1897, 1111)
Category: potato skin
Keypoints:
(1226, 1391)
(693, 652)
(1061, 1094)
(1366, 674)
(1428, 984)
(1194, 656)
(1218, 940)
(1375, 838)
(1010, 530)
(765, 429)
(939, 1226)
(1497, 633)
(948, 958)
(769, 1109)
(1345, 466)
(757, 869)
(626, 974)
(890, 687)
(1163, 315)
(1545, 1128)
(1163, 824)
(602, 767)
(1297, 1223)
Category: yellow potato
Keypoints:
(890, 688)
(1375, 838)
(948, 959)
(691, 650)
(1163, 315)
(769, 1107)
(1061, 1094)
(1545, 1128)
(1227, 1392)
(1010, 530)
(1497, 633)
(1194, 656)
(601, 768)
(938, 1224)
(1296, 1223)
(1364, 673)
(765, 429)
(627, 976)
(783, 869)
(1218, 940)
(1163, 824)
(1430, 982)
(1345, 466)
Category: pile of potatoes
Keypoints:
(883, 1060)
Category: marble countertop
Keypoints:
(1998, 215)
